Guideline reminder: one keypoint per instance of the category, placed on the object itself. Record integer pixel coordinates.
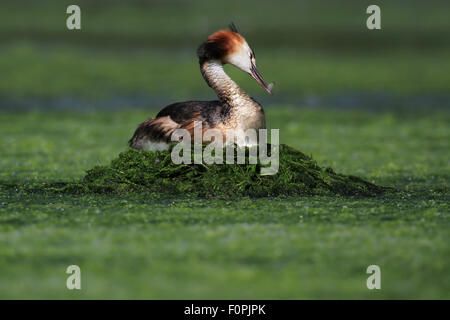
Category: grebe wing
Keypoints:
(154, 133)
(184, 111)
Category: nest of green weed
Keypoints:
(155, 172)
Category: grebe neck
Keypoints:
(228, 92)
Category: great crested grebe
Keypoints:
(234, 112)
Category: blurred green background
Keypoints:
(370, 103)
(144, 51)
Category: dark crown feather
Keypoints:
(212, 49)
(233, 27)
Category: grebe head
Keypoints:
(229, 46)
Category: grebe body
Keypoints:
(232, 114)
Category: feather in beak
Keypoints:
(257, 76)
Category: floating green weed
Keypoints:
(155, 172)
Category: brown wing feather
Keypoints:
(155, 129)
(191, 123)
(181, 115)
(160, 129)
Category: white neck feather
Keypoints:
(226, 89)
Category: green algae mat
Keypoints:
(144, 245)
(155, 172)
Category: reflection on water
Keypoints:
(350, 101)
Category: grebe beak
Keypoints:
(257, 76)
